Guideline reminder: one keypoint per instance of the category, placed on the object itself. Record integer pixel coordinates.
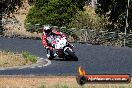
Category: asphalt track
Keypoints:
(95, 59)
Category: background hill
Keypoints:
(14, 23)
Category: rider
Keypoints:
(48, 36)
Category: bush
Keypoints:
(54, 12)
(87, 20)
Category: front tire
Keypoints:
(71, 55)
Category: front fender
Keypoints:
(65, 48)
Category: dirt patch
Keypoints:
(51, 82)
(8, 59)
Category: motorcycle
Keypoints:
(64, 49)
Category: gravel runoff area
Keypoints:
(51, 82)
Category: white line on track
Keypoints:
(39, 66)
(48, 62)
(32, 67)
(20, 68)
(2, 69)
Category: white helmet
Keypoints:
(46, 27)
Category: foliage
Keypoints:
(31, 28)
(29, 57)
(87, 20)
(115, 10)
(31, 2)
(54, 12)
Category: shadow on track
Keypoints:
(61, 59)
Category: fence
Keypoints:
(93, 36)
(87, 35)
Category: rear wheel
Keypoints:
(71, 55)
(51, 58)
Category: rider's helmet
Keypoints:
(47, 29)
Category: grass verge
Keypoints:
(10, 59)
(29, 57)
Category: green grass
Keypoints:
(29, 57)
(42, 86)
(62, 86)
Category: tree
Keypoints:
(79, 3)
(30, 2)
(54, 12)
(7, 7)
(85, 20)
(115, 10)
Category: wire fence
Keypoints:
(85, 35)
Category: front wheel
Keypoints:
(71, 55)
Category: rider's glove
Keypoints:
(51, 48)
(46, 47)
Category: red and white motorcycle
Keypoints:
(64, 49)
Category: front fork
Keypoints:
(61, 53)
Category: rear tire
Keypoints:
(51, 58)
(72, 55)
